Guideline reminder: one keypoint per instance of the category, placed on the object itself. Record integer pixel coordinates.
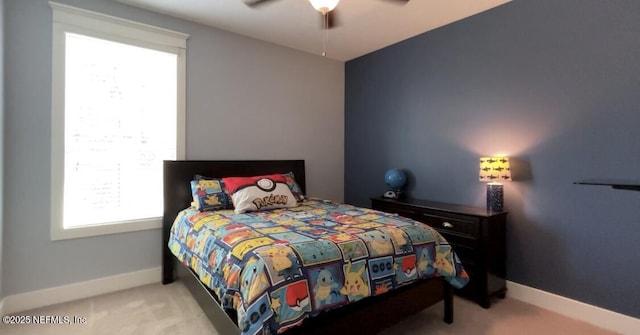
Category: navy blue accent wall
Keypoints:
(553, 84)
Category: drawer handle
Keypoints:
(447, 225)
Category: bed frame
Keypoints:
(368, 315)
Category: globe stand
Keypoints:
(393, 194)
(397, 194)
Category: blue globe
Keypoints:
(395, 179)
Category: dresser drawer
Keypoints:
(466, 253)
(459, 239)
(402, 211)
(452, 224)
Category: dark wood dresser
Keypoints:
(476, 235)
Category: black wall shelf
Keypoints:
(618, 184)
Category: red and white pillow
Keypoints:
(259, 193)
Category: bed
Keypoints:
(361, 314)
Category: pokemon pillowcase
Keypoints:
(208, 194)
(259, 193)
(293, 185)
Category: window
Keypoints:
(117, 113)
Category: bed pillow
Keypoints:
(226, 194)
(208, 194)
(293, 185)
(259, 192)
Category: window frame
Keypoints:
(84, 22)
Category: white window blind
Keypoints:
(118, 111)
(120, 123)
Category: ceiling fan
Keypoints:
(326, 8)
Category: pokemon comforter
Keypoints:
(275, 268)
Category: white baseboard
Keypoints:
(594, 315)
(55, 295)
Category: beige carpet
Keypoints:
(157, 309)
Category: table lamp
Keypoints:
(494, 171)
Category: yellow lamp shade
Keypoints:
(495, 169)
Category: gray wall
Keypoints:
(1, 139)
(553, 84)
(246, 99)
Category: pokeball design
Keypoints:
(266, 184)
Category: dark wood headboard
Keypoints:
(177, 189)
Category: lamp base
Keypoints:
(495, 197)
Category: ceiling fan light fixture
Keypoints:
(324, 6)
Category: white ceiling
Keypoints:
(365, 25)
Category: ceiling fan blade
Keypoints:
(255, 3)
(398, 2)
(334, 18)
